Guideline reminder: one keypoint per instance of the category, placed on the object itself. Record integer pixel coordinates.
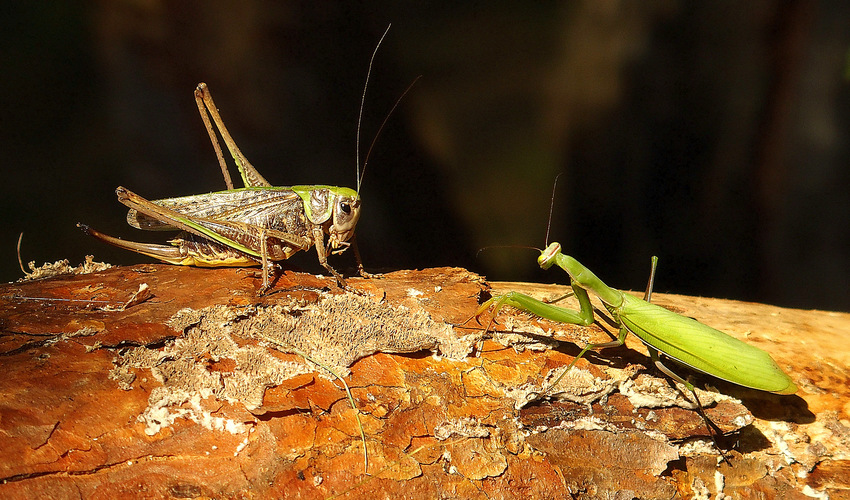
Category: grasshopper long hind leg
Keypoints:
(250, 176)
(185, 250)
(165, 253)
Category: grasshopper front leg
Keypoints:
(360, 269)
(319, 241)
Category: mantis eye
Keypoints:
(345, 207)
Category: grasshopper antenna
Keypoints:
(362, 171)
(362, 104)
(552, 207)
(372, 145)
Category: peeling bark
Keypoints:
(181, 393)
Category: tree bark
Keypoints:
(193, 390)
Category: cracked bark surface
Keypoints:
(98, 400)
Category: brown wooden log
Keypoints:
(188, 394)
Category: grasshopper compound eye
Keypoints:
(345, 207)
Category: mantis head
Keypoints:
(547, 256)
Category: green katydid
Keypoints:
(257, 224)
(682, 339)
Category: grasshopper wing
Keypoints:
(252, 205)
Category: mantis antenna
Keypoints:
(551, 207)
(490, 247)
(548, 224)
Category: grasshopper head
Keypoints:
(337, 209)
(346, 213)
(547, 256)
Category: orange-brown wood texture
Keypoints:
(189, 392)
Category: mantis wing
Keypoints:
(703, 348)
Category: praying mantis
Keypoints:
(680, 338)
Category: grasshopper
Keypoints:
(256, 224)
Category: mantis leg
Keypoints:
(712, 428)
(621, 339)
(647, 295)
(582, 317)
(551, 312)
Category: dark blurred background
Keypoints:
(712, 134)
